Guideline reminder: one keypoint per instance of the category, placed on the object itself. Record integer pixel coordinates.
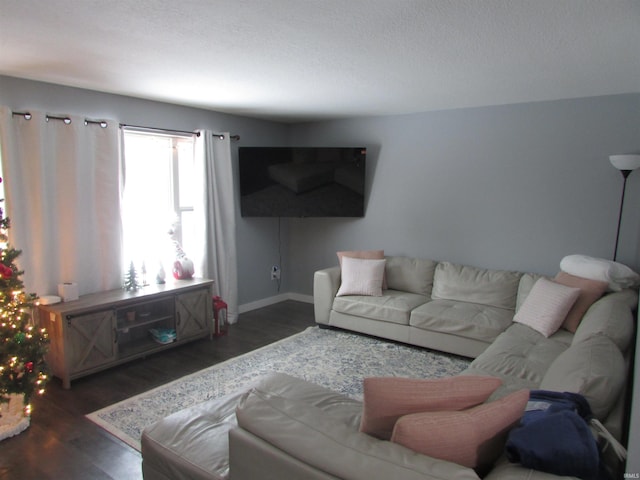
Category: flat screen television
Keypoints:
(302, 181)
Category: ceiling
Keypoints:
(300, 60)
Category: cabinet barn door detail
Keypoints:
(193, 313)
(103, 329)
(91, 340)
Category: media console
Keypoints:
(104, 329)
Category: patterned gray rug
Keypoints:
(335, 359)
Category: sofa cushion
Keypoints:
(496, 288)
(408, 274)
(393, 306)
(308, 434)
(503, 469)
(612, 317)
(385, 399)
(590, 291)
(473, 438)
(547, 306)
(361, 277)
(471, 320)
(594, 368)
(520, 356)
(191, 443)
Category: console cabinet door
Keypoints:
(90, 340)
(193, 313)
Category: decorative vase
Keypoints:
(13, 419)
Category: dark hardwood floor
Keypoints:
(62, 444)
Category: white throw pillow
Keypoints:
(547, 306)
(361, 277)
(618, 276)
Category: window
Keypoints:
(158, 200)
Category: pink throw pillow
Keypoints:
(388, 398)
(546, 307)
(366, 255)
(473, 438)
(361, 277)
(590, 291)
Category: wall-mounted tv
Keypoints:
(302, 181)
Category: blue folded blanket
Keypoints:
(554, 436)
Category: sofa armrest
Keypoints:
(317, 439)
(325, 286)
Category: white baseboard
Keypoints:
(265, 302)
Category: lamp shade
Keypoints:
(625, 162)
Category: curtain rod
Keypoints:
(164, 130)
(65, 119)
(221, 136)
(197, 134)
(103, 124)
(26, 115)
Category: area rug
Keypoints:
(335, 359)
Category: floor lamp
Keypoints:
(626, 164)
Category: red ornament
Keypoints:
(5, 272)
(28, 367)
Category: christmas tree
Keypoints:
(22, 344)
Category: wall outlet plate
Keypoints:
(275, 272)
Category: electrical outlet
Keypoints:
(275, 272)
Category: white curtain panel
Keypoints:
(62, 186)
(218, 252)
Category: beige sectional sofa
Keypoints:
(439, 305)
(284, 427)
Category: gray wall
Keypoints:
(257, 240)
(513, 187)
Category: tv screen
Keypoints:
(302, 181)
